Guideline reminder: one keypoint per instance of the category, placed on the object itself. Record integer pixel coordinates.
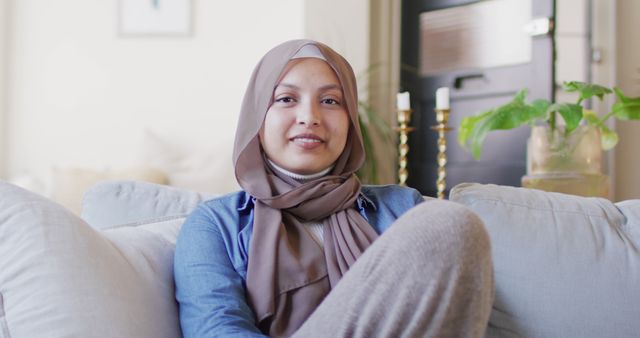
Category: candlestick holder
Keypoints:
(404, 118)
(442, 117)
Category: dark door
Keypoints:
(484, 51)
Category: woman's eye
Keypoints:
(285, 99)
(330, 101)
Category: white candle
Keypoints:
(403, 101)
(442, 98)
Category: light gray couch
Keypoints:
(565, 266)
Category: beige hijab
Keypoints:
(289, 274)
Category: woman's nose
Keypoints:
(308, 114)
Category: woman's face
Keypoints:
(305, 129)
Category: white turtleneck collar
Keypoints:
(299, 177)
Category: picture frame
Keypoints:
(154, 17)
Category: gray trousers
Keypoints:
(429, 275)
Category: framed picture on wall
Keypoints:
(154, 17)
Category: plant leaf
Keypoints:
(368, 171)
(508, 116)
(541, 107)
(608, 137)
(466, 126)
(626, 108)
(570, 112)
(590, 116)
(586, 90)
(381, 127)
(620, 95)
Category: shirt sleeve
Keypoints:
(209, 291)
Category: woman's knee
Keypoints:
(444, 224)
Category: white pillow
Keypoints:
(198, 167)
(61, 278)
(112, 203)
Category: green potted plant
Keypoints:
(562, 155)
(370, 123)
(372, 127)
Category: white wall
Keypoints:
(572, 44)
(346, 30)
(628, 78)
(603, 70)
(81, 96)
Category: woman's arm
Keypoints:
(209, 291)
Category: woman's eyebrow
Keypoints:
(291, 86)
(331, 86)
(322, 88)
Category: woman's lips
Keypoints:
(307, 141)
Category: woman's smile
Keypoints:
(307, 141)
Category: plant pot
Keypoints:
(566, 163)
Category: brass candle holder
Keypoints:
(404, 118)
(442, 117)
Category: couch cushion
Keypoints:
(112, 203)
(68, 185)
(61, 278)
(565, 266)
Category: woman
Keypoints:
(261, 261)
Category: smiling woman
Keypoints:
(299, 251)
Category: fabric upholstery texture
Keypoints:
(61, 278)
(565, 266)
(112, 203)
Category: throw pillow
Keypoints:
(61, 278)
(111, 203)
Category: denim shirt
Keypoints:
(212, 252)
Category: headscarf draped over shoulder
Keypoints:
(288, 273)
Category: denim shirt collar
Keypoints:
(246, 202)
(364, 202)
